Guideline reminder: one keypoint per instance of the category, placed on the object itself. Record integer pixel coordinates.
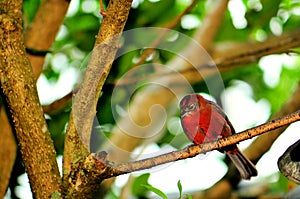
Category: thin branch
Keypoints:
(194, 150)
(251, 52)
(58, 105)
(239, 57)
(41, 34)
(264, 142)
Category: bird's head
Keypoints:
(190, 104)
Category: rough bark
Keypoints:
(85, 101)
(18, 85)
(39, 36)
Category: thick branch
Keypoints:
(194, 150)
(18, 85)
(8, 151)
(40, 35)
(85, 101)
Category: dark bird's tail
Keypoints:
(244, 166)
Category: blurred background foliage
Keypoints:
(244, 21)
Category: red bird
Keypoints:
(204, 121)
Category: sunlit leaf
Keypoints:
(188, 196)
(138, 186)
(179, 188)
(156, 191)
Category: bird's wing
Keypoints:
(221, 112)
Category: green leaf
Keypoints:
(138, 186)
(188, 196)
(156, 191)
(179, 188)
(111, 195)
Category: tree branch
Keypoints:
(239, 56)
(58, 105)
(264, 142)
(84, 104)
(230, 58)
(194, 150)
(8, 151)
(41, 33)
(251, 52)
(18, 85)
(206, 34)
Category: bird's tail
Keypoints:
(244, 166)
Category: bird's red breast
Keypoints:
(203, 120)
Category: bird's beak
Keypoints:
(184, 112)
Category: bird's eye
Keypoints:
(192, 106)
